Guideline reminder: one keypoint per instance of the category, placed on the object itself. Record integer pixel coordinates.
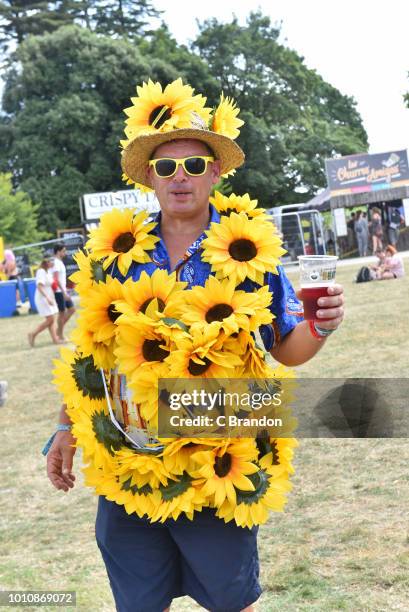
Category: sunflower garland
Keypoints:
(140, 331)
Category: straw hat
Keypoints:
(181, 115)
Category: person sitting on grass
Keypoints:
(392, 266)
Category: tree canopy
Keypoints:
(18, 215)
(65, 92)
(294, 119)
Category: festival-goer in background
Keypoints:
(376, 230)
(392, 265)
(10, 269)
(395, 220)
(65, 304)
(351, 232)
(45, 302)
(361, 231)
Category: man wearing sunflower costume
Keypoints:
(194, 294)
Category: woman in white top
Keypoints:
(45, 302)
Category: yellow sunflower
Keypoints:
(225, 120)
(252, 506)
(141, 500)
(84, 340)
(179, 496)
(100, 313)
(156, 110)
(79, 381)
(223, 470)
(201, 355)
(141, 468)
(140, 347)
(218, 304)
(177, 455)
(238, 248)
(97, 436)
(122, 237)
(139, 295)
(234, 203)
(90, 271)
(276, 455)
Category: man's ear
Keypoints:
(216, 171)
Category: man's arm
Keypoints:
(300, 345)
(60, 456)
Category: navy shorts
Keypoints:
(61, 303)
(149, 564)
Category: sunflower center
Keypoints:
(218, 312)
(113, 314)
(152, 351)
(161, 305)
(159, 115)
(196, 369)
(243, 249)
(222, 465)
(123, 243)
(228, 211)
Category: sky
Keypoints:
(361, 47)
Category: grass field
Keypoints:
(342, 543)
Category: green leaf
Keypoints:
(171, 321)
(260, 482)
(106, 433)
(175, 488)
(88, 378)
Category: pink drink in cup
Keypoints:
(317, 273)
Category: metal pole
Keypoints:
(301, 232)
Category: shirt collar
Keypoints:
(214, 218)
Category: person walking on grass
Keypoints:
(214, 562)
(361, 231)
(45, 302)
(65, 304)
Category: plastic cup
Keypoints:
(317, 273)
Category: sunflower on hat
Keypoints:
(160, 115)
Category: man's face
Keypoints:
(182, 195)
(62, 253)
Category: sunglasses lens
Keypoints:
(165, 167)
(195, 165)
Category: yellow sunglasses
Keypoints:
(167, 166)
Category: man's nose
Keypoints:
(180, 173)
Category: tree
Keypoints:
(20, 18)
(63, 117)
(123, 18)
(294, 119)
(18, 215)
